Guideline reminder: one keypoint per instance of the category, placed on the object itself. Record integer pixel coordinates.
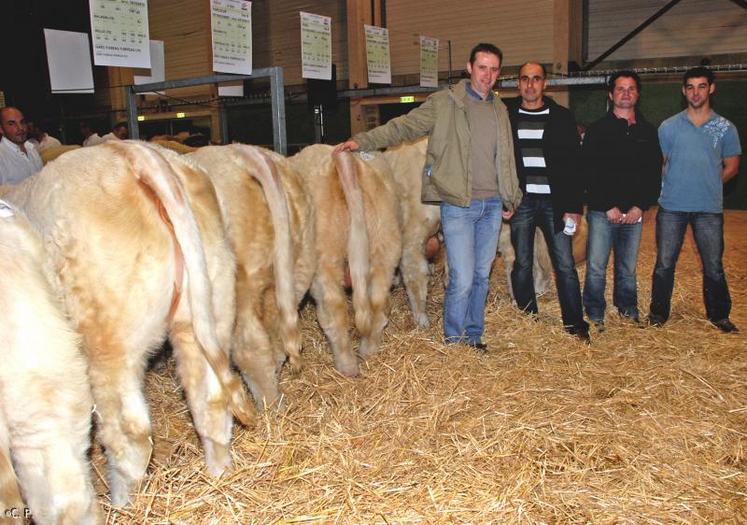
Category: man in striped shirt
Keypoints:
(546, 146)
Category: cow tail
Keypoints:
(358, 252)
(153, 171)
(267, 175)
(10, 494)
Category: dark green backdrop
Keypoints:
(659, 101)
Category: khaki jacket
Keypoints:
(447, 175)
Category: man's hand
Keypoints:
(614, 215)
(507, 214)
(575, 216)
(634, 215)
(348, 145)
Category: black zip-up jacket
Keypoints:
(622, 164)
(561, 149)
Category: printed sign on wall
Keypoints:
(231, 24)
(377, 55)
(428, 61)
(316, 46)
(120, 33)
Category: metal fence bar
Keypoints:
(275, 74)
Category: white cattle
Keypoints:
(45, 399)
(123, 240)
(270, 224)
(357, 227)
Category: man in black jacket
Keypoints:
(546, 146)
(622, 163)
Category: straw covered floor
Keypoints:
(646, 425)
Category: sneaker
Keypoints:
(725, 326)
(656, 320)
(598, 325)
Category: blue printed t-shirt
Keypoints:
(692, 176)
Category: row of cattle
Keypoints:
(109, 250)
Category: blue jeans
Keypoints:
(603, 238)
(471, 239)
(534, 212)
(708, 230)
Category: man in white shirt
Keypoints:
(118, 132)
(38, 136)
(90, 137)
(18, 157)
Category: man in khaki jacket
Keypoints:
(470, 172)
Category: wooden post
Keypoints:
(568, 19)
(359, 12)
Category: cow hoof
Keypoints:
(347, 365)
(422, 321)
(367, 348)
(217, 457)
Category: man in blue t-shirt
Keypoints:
(701, 152)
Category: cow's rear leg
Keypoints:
(414, 269)
(379, 288)
(255, 358)
(331, 311)
(122, 418)
(207, 404)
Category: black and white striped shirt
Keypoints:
(531, 129)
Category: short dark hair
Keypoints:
(697, 72)
(482, 47)
(122, 124)
(625, 73)
(544, 69)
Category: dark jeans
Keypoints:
(604, 237)
(537, 212)
(708, 229)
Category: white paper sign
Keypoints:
(316, 46)
(231, 90)
(231, 23)
(157, 65)
(428, 61)
(120, 33)
(69, 60)
(377, 55)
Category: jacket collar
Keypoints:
(458, 92)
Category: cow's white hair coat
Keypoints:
(45, 399)
(270, 223)
(356, 212)
(112, 261)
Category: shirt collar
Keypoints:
(475, 94)
(16, 148)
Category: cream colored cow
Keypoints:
(45, 399)
(357, 227)
(124, 251)
(270, 224)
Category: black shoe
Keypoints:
(656, 320)
(480, 348)
(725, 326)
(582, 332)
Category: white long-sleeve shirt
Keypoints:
(15, 165)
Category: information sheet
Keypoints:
(316, 46)
(119, 29)
(231, 23)
(377, 55)
(428, 61)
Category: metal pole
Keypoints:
(277, 93)
(223, 116)
(132, 127)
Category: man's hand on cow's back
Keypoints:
(348, 145)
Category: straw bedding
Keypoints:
(643, 426)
